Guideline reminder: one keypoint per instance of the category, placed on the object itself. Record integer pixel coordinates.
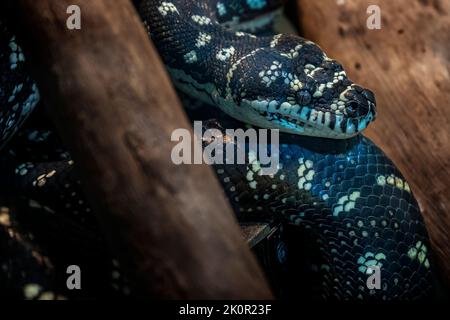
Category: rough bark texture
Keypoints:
(116, 109)
(407, 64)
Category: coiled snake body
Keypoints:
(351, 209)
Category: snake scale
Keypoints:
(346, 204)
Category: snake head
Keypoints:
(296, 88)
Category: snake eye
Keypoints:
(303, 97)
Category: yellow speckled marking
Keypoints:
(31, 290)
(305, 174)
(42, 179)
(393, 181)
(419, 252)
(346, 203)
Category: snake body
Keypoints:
(348, 206)
(18, 92)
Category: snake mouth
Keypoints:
(305, 120)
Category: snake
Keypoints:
(343, 207)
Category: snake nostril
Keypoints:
(352, 108)
(303, 97)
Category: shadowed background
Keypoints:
(406, 63)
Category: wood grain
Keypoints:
(116, 109)
(407, 64)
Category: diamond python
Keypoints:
(349, 207)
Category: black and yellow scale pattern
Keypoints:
(278, 81)
(345, 204)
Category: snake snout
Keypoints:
(361, 102)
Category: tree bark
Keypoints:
(407, 64)
(116, 109)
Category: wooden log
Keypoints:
(115, 107)
(254, 233)
(407, 64)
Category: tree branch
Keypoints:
(116, 109)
